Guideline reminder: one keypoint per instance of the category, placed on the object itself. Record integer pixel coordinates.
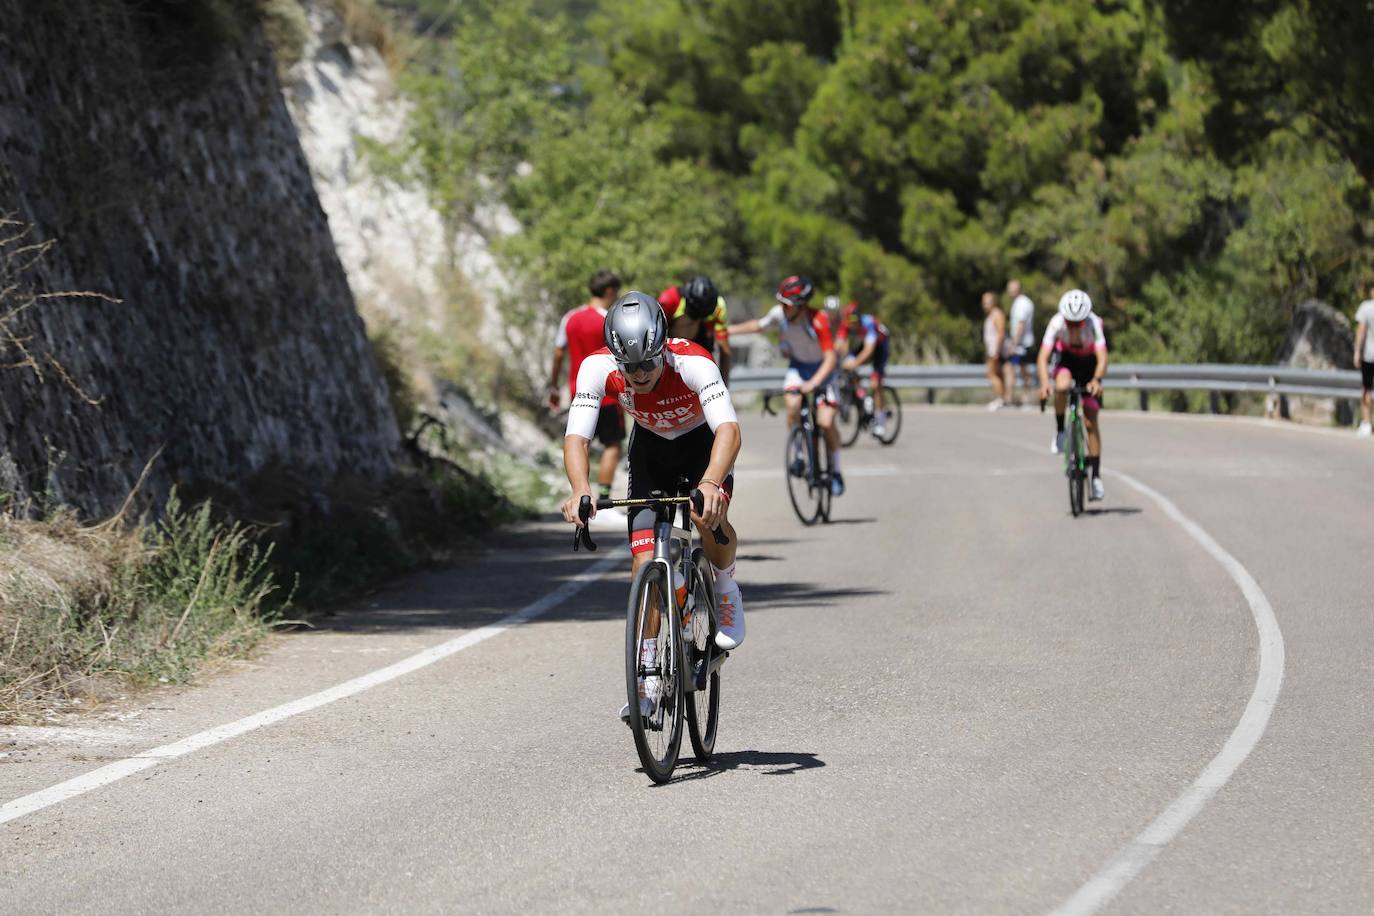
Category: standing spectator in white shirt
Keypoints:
(1364, 356)
(1020, 346)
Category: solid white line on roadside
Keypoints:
(1132, 859)
(116, 771)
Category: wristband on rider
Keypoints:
(714, 483)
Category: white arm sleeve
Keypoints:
(772, 318)
(591, 388)
(702, 375)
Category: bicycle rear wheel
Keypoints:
(658, 735)
(893, 405)
(800, 471)
(850, 417)
(703, 703)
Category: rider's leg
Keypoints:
(825, 417)
(1063, 381)
(793, 401)
(1091, 423)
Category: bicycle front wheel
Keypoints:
(703, 699)
(653, 677)
(893, 405)
(824, 493)
(1076, 473)
(802, 477)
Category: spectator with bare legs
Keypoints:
(1364, 357)
(994, 332)
(1019, 349)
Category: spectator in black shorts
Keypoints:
(1364, 357)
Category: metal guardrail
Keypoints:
(1215, 378)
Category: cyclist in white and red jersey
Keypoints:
(804, 338)
(871, 337)
(1075, 338)
(684, 426)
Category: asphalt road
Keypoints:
(956, 698)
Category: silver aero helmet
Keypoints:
(635, 330)
(1075, 305)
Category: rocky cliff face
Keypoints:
(149, 144)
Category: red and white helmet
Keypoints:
(796, 290)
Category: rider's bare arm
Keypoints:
(866, 351)
(724, 452)
(828, 362)
(577, 465)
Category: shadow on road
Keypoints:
(764, 763)
(1115, 510)
(851, 521)
(798, 594)
(523, 564)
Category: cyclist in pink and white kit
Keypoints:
(1076, 340)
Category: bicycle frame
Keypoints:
(667, 536)
(806, 419)
(1078, 447)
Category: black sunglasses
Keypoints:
(644, 365)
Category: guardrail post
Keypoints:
(930, 395)
(1214, 401)
(1144, 399)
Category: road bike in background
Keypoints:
(805, 461)
(672, 663)
(857, 411)
(1075, 448)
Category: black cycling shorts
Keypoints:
(610, 425)
(656, 463)
(1367, 374)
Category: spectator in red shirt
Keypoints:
(580, 334)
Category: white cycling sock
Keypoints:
(726, 584)
(834, 461)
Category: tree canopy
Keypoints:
(1198, 171)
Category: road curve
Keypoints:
(954, 699)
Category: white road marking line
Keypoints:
(116, 771)
(1133, 858)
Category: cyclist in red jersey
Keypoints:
(579, 335)
(696, 311)
(872, 337)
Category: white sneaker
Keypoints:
(1057, 443)
(996, 404)
(730, 614)
(879, 427)
(646, 710)
(1098, 492)
(1364, 430)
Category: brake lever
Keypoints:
(582, 534)
(718, 533)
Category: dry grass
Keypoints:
(89, 608)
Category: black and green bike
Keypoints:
(1075, 449)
